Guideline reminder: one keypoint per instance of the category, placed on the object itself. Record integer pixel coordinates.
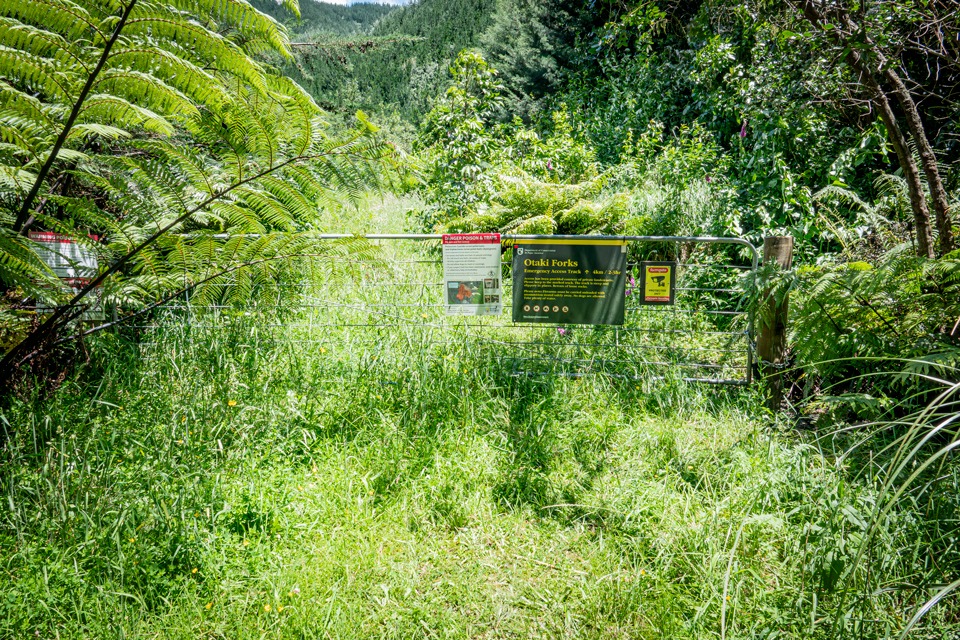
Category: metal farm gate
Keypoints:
(705, 336)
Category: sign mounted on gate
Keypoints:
(471, 274)
(658, 282)
(575, 281)
(74, 263)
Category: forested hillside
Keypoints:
(323, 18)
(400, 64)
(268, 369)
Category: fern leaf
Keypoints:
(66, 18)
(112, 109)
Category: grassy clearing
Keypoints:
(213, 481)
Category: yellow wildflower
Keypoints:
(266, 608)
(231, 403)
(208, 606)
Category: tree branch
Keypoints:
(24, 212)
(15, 356)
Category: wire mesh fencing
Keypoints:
(395, 301)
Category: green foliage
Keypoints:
(529, 41)
(898, 306)
(208, 473)
(731, 75)
(179, 135)
(680, 183)
(214, 474)
(487, 176)
(396, 62)
(457, 133)
(323, 19)
(525, 205)
(556, 155)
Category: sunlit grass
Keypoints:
(223, 479)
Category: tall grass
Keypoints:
(907, 454)
(227, 478)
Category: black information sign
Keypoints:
(569, 281)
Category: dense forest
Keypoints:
(321, 19)
(400, 64)
(225, 411)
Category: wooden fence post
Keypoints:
(772, 341)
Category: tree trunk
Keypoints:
(918, 201)
(928, 158)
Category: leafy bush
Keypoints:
(457, 136)
(556, 156)
(852, 317)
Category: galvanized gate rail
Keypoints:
(707, 336)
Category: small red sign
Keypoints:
(471, 238)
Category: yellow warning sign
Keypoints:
(658, 282)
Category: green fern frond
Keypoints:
(17, 103)
(237, 218)
(15, 179)
(25, 138)
(267, 208)
(88, 131)
(145, 90)
(288, 196)
(249, 22)
(66, 18)
(194, 42)
(299, 107)
(184, 132)
(80, 213)
(38, 42)
(193, 166)
(114, 110)
(36, 74)
(293, 6)
(188, 78)
(891, 186)
(847, 197)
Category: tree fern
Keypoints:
(154, 124)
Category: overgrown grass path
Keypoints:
(205, 481)
(200, 489)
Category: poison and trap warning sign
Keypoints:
(569, 281)
(658, 282)
(471, 274)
